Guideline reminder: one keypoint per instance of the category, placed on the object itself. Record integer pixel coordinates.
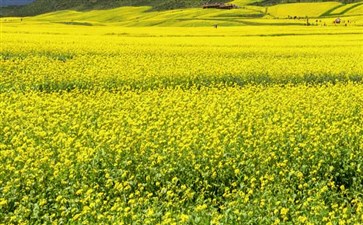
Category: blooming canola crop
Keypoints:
(161, 129)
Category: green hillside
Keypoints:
(143, 16)
(275, 2)
(44, 6)
(183, 13)
(302, 9)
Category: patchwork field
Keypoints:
(157, 125)
(247, 14)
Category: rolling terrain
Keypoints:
(247, 14)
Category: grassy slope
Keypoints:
(246, 15)
(302, 9)
(44, 6)
(317, 9)
(343, 8)
(356, 11)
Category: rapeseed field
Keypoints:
(114, 125)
